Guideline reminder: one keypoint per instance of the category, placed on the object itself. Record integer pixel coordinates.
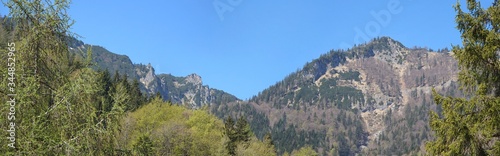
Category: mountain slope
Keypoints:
(188, 90)
(372, 99)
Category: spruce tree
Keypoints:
(239, 133)
(230, 132)
(471, 126)
(136, 95)
(243, 132)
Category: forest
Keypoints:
(57, 103)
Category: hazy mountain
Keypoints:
(188, 90)
(372, 99)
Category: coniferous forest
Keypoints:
(62, 100)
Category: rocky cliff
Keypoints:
(189, 90)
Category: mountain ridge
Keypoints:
(188, 90)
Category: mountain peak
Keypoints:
(385, 49)
(383, 43)
(384, 40)
(194, 79)
(147, 76)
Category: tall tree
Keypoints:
(471, 126)
(105, 91)
(137, 99)
(56, 91)
(230, 132)
(239, 133)
(243, 132)
(44, 64)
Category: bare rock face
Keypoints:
(194, 79)
(188, 90)
(147, 77)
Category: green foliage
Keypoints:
(63, 106)
(238, 133)
(176, 130)
(472, 126)
(308, 93)
(56, 111)
(144, 146)
(268, 140)
(341, 96)
(305, 151)
(107, 60)
(255, 147)
(258, 121)
(350, 75)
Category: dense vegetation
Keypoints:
(61, 98)
(471, 126)
(161, 128)
(63, 106)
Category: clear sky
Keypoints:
(244, 46)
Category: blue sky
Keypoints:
(257, 42)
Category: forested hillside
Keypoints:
(343, 103)
(371, 99)
(63, 100)
(64, 97)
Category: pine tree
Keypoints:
(242, 130)
(105, 102)
(230, 132)
(471, 126)
(136, 96)
(238, 133)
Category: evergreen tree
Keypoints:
(242, 130)
(105, 102)
(121, 98)
(471, 126)
(136, 96)
(239, 133)
(230, 132)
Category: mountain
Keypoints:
(372, 99)
(188, 90)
